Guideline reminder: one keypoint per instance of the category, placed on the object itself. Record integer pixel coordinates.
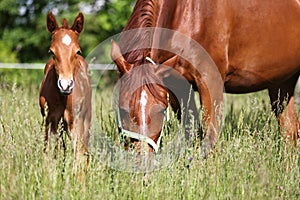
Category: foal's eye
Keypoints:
(79, 52)
(52, 53)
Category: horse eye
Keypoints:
(158, 109)
(52, 53)
(123, 112)
(79, 52)
(163, 111)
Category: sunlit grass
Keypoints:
(250, 160)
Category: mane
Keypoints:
(144, 76)
(133, 43)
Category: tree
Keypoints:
(23, 25)
(24, 38)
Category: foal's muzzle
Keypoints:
(65, 86)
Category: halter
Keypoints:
(139, 136)
(150, 60)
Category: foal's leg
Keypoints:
(80, 142)
(47, 133)
(77, 143)
(86, 136)
(50, 128)
(286, 115)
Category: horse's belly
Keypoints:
(245, 80)
(238, 84)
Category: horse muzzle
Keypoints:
(65, 86)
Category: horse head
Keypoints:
(65, 50)
(142, 100)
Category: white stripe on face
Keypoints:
(143, 103)
(66, 40)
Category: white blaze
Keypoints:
(66, 40)
(143, 103)
(64, 84)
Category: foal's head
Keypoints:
(65, 50)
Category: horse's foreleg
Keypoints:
(211, 97)
(182, 101)
(282, 100)
(190, 114)
(193, 113)
(297, 91)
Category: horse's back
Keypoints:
(255, 43)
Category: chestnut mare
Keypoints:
(65, 92)
(254, 44)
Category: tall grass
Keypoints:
(250, 160)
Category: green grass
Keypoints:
(249, 161)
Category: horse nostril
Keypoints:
(71, 85)
(59, 85)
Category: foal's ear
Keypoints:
(51, 22)
(118, 58)
(78, 23)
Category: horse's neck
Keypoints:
(136, 38)
(169, 13)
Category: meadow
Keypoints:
(250, 160)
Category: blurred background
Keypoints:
(25, 39)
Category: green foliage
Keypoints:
(20, 77)
(105, 23)
(5, 54)
(23, 32)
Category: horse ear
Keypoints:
(51, 22)
(78, 23)
(165, 69)
(118, 58)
